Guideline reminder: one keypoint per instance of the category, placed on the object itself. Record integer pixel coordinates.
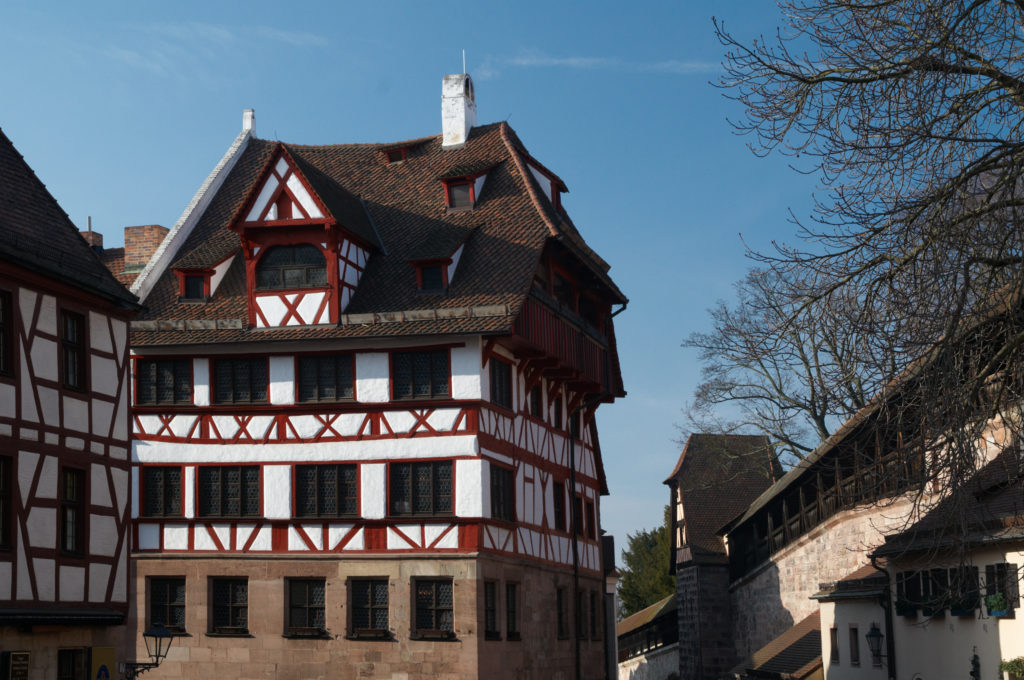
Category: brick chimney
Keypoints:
(139, 245)
(458, 109)
(93, 238)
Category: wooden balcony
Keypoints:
(581, 350)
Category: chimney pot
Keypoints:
(458, 109)
(248, 116)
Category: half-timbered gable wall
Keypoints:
(50, 430)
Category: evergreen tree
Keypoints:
(645, 576)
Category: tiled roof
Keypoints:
(402, 204)
(666, 607)
(35, 233)
(794, 654)
(719, 475)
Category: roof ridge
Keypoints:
(504, 130)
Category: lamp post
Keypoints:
(158, 642)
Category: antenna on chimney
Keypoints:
(89, 219)
(463, 61)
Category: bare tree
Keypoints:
(905, 282)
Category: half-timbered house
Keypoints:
(64, 439)
(364, 413)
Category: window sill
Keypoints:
(492, 636)
(513, 637)
(371, 634)
(245, 634)
(433, 635)
(308, 636)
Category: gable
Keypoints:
(283, 195)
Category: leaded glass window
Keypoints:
(327, 490)
(420, 375)
(421, 488)
(240, 381)
(326, 378)
(230, 606)
(72, 508)
(491, 631)
(369, 605)
(161, 491)
(503, 504)
(163, 381)
(167, 603)
(289, 267)
(501, 383)
(229, 491)
(433, 607)
(306, 607)
(72, 345)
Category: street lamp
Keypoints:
(158, 642)
(874, 637)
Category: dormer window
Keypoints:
(396, 155)
(290, 267)
(193, 286)
(460, 195)
(432, 277)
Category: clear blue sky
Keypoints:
(123, 109)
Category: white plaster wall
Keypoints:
(48, 315)
(99, 490)
(45, 578)
(76, 414)
(456, 256)
(72, 584)
(41, 524)
(366, 450)
(299, 191)
(940, 648)
(261, 200)
(273, 310)
(7, 400)
(373, 490)
(218, 274)
(135, 492)
(282, 380)
(201, 382)
(470, 487)
(99, 576)
(277, 491)
(843, 615)
(99, 333)
(372, 377)
(44, 359)
(468, 378)
(102, 535)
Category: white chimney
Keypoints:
(458, 109)
(248, 116)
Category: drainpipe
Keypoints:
(886, 604)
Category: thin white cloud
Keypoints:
(297, 38)
(490, 68)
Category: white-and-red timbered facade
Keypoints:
(387, 388)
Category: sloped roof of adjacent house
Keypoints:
(35, 233)
(398, 210)
(718, 476)
(795, 654)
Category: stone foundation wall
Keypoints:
(266, 653)
(43, 642)
(775, 596)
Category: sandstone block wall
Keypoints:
(777, 595)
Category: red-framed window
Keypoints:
(289, 267)
(421, 374)
(161, 491)
(6, 334)
(396, 155)
(422, 488)
(432, 275)
(73, 351)
(229, 491)
(327, 490)
(163, 381)
(194, 285)
(460, 194)
(72, 511)
(240, 380)
(326, 377)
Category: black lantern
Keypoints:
(158, 642)
(874, 637)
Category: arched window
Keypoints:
(301, 266)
